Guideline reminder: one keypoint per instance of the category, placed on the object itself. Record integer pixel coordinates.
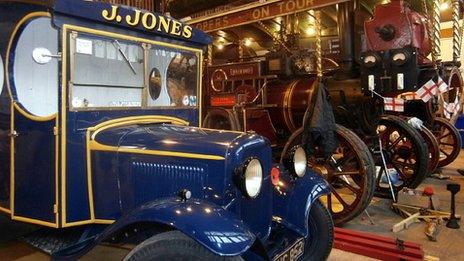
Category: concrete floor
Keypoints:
(448, 247)
(450, 242)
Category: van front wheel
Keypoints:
(172, 245)
(321, 233)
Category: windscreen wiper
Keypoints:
(125, 57)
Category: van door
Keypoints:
(34, 87)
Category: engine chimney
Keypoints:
(345, 18)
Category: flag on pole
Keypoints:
(427, 91)
(393, 104)
(451, 108)
(457, 105)
(442, 85)
(448, 109)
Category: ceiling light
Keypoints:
(247, 42)
(310, 31)
(444, 6)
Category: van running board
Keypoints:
(53, 240)
(379, 247)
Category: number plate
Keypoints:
(293, 252)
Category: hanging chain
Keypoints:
(427, 19)
(461, 34)
(436, 53)
(274, 37)
(209, 60)
(456, 32)
(318, 43)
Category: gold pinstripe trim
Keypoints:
(93, 145)
(5, 210)
(35, 221)
(62, 121)
(133, 120)
(33, 117)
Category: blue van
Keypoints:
(100, 141)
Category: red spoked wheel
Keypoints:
(405, 153)
(349, 171)
(449, 141)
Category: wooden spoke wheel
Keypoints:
(349, 171)
(449, 141)
(405, 153)
(432, 146)
(454, 79)
(221, 119)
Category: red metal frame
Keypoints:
(380, 247)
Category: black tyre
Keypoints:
(172, 245)
(360, 175)
(449, 141)
(432, 146)
(321, 233)
(405, 151)
(350, 172)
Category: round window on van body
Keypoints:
(154, 85)
(35, 67)
(2, 74)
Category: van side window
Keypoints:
(107, 72)
(177, 77)
(35, 73)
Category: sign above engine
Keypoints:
(236, 71)
(255, 12)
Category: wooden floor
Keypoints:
(450, 244)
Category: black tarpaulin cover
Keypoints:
(319, 125)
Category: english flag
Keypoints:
(442, 85)
(393, 104)
(427, 91)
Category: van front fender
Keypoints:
(292, 207)
(210, 225)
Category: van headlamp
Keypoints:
(251, 177)
(300, 162)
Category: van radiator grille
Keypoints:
(165, 180)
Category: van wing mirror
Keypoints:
(42, 55)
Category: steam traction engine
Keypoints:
(398, 79)
(254, 96)
(396, 66)
(271, 97)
